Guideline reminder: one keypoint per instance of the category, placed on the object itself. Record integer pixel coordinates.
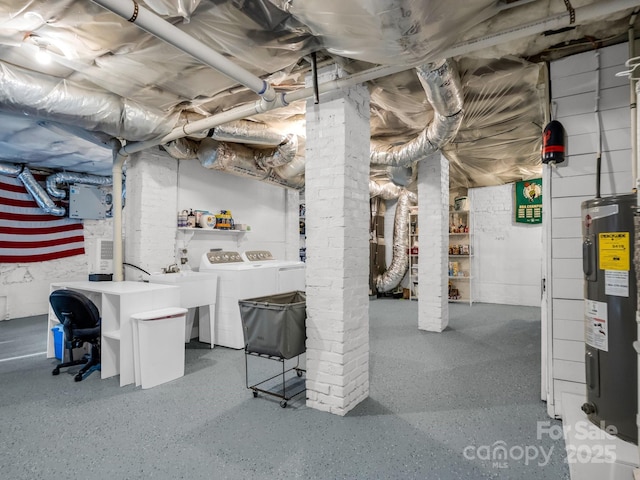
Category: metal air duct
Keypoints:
(70, 177)
(399, 261)
(10, 169)
(444, 92)
(39, 195)
(238, 160)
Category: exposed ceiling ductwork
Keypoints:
(108, 76)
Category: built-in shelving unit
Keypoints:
(460, 256)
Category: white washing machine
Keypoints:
(238, 280)
(289, 274)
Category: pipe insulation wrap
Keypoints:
(39, 195)
(399, 260)
(70, 177)
(10, 169)
(444, 91)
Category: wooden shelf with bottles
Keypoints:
(460, 275)
(413, 253)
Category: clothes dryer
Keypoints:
(290, 275)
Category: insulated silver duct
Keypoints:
(71, 177)
(283, 153)
(399, 261)
(238, 160)
(50, 98)
(10, 169)
(444, 92)
(182, 148)
(386, 190)
(245, 131)
(39, 195)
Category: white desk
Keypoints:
(117, 301)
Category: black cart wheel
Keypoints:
(283, 404)
(78, 377)
(56, 371)
(255, 394)
(299, 373)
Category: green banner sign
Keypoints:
(529, 201)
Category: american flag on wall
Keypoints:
(27, 234)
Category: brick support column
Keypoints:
(337, 202)
(150, 213)
(433, 218)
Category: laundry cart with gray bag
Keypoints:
(274, 328)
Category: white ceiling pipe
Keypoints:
(583, 14)
(152, 23)
(116, 177)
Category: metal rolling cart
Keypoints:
(274, 329)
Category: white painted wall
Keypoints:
(271, 211)
(573, 82)
(508, 256)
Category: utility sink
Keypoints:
(197, 290)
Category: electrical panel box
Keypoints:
(89, 201)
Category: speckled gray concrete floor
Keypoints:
(439, 403)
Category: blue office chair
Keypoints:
(81, 323)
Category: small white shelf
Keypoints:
(458, 234)
(461, 256)
(459, 300)
(460, 277)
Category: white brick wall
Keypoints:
(337, 202)
(433, 218)
(151, 209)
(573, 81)
(508, 256)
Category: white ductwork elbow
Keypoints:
(71, 177)
(39, 195)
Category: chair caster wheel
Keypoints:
(78, 377)
(255, 394)
(56, 371)
(283, 404)
(299, 373)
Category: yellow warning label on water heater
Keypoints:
(613, 251)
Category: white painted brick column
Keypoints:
(150, 211)
(433, 218)
(337, 217)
